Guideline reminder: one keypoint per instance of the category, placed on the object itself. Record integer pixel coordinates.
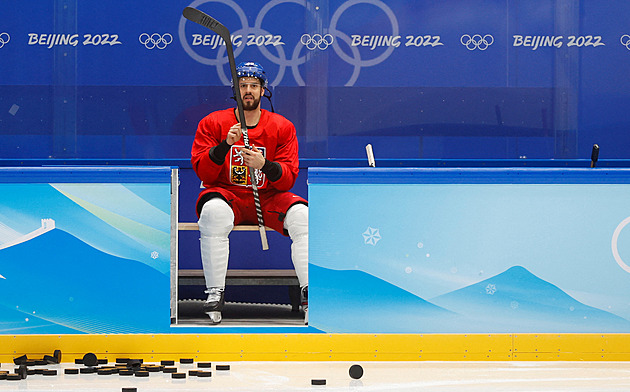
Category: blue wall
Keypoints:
(451, 79)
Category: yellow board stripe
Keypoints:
(324, 347)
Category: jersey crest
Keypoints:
(239, 173)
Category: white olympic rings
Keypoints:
(155, 40)
(316, 41)
(625, 41)
(4, 39)
(319, 40)
(477, 41)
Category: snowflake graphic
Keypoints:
(371, 236)
(155, 255)
(514, 304)
(491, 289)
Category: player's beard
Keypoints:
(251, 105)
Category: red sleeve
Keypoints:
(286, 155)
(208, 135)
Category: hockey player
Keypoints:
(222, 163)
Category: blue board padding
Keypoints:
(467, 176)
(73, 174)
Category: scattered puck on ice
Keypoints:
(87, 370)
(102, 361)
(57, 355)
(134, 363)
(318, 382)
(204, 364)
(202, 373)
(22, 371)
(13, 377)
(356, 371)
(31, 372)
(122, 360)
(186, 360)
(170, 370)
(3, 376)
(130, 389)
(167, 363)
(223, 367)
(178, 375)
(78, 361)
(49, 372)
(71, 371)
(104, 372)
(192, 373)
(125, 372)
(20, 360)
(90, 359)
(153, 369)
(50, 359)
(142, 373)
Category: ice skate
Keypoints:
(304, 297)
(214, 304)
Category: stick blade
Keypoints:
(205, 20)
(263, 237)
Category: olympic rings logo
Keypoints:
(477, 41)
(625, 41)
(4, 39)
(155, 40)
(288, 59)
(317, 41)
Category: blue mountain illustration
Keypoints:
(58, 284)
(518, 301)
(355, 301)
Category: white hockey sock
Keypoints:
(296, 223)
(216, 221)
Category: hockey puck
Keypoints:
(186, 360)
(202, 373)
(71, 371)
(49, 372)
(356, 371)
(3, 376)
(192, 373)
(134, 363)
(204, 364)
(223, 367)
(87, 370)
(78, 361)
(13, 377)
(318, 382)
(90, 359)
(20, 360)
(142, 373)
(122, 360)
(102, 361)
(133, 389)
(125, 372)
(104, 372)
(170, 370)
(49, 359)
(167, 363)
(57, 355)
(178, 375)
(154, 369)
(22, 371)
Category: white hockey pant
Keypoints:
(296, 223)
(216, 221)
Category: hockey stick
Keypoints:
(194, 15)
(594, 155)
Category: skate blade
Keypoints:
(215, 317)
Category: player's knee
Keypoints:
(296, 221)
(216, 218)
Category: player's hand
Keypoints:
(234, 134)
(253, 158)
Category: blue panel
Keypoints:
(85, 174)
(467, 176)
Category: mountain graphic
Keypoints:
(518, 301)
(355, 301)
(61, 284)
